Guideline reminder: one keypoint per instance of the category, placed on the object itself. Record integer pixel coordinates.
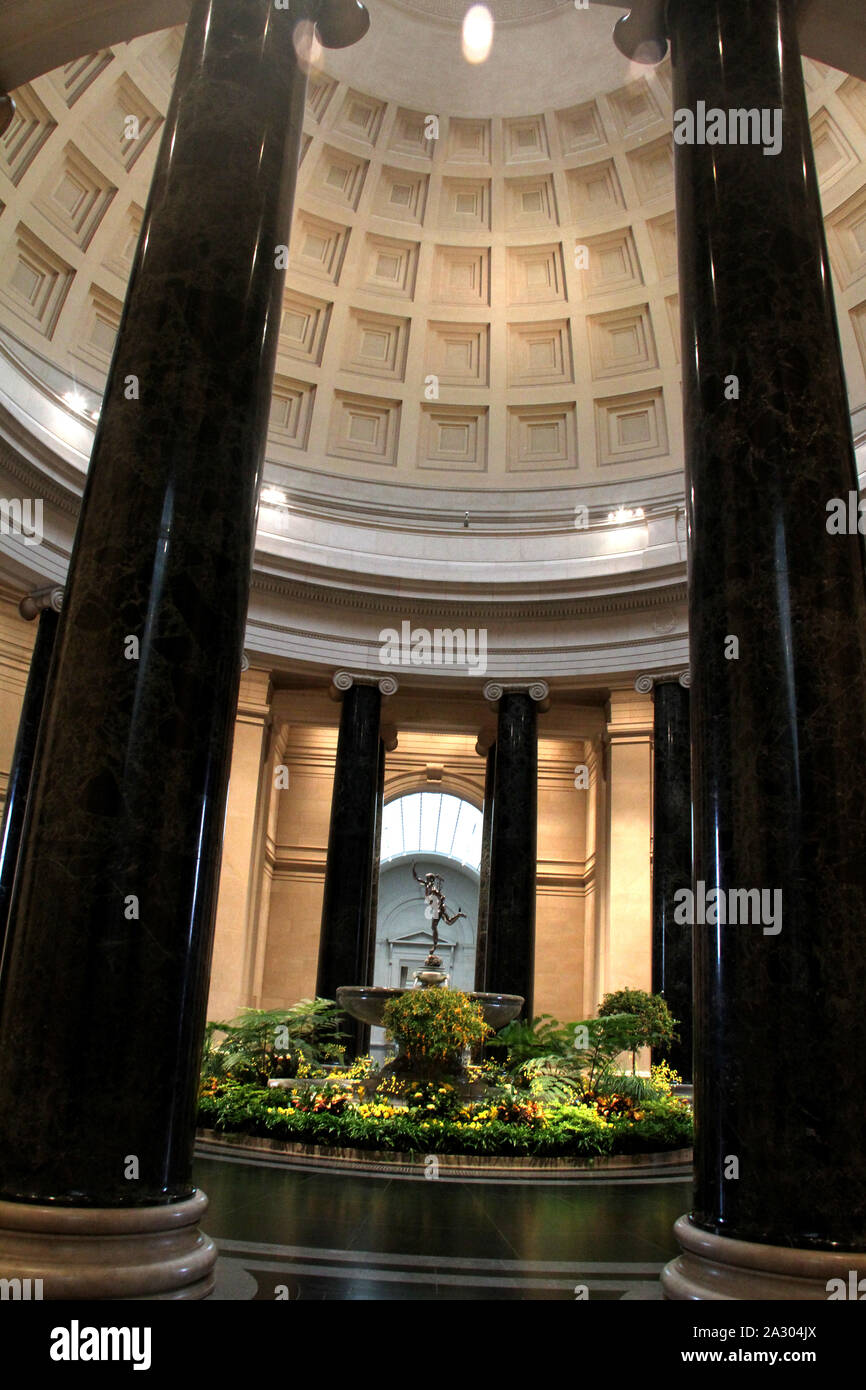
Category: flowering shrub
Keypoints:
(319, 1102)
(520, 1112)
(664, 1078)
(502, 1126)
(614, 1106)
(434, 1025)
(357, 1070)
(427, 1099)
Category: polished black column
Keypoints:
(104, 984)
(778, 724)
(347, 928)
(377, 851)
(672, 863)
(44, 606)
(510, 964)
(489, 755)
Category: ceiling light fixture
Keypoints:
(274, 496)
(75, 401)
(623, 514)
(477, 34)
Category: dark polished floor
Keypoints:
(284, 1233)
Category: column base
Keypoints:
(108, 1252)
(716, 1267)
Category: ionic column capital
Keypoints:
(642, 33)
(537, 690)
(344, 680)
(339, 23)
(33, 604)
(645, 683)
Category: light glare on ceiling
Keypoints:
(307, 45)
(477, 34)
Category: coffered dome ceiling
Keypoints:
(473, 301)
(480, 325)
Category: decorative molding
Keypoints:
(627, 601)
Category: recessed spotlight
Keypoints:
(75, 401)
(275, 496)
(477, 34)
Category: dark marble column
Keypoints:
(778, 698)
(510, 964)
(377, 850)
(103, 991)
(672, 858)
(486, 749)
(345, 943)
(44, 605)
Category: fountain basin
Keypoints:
(367, 1003)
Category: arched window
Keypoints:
(432, 823)
(442, 833)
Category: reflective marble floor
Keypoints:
(284, 1233)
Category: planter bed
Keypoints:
(465, 1167)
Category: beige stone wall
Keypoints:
(628, 945)
(16, 646)
(241, 871)
(560, 909)
(290, 952)
(593, 907)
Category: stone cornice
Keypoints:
(617, 601)
(37, 481)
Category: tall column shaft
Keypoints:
(103, 990)
(377, 851)
(484, 886)
(344, 944)
(45, 607)
(778, 657)
(511, 914)
(672, 864)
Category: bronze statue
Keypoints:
(435, 910)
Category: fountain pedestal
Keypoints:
(367, 1003)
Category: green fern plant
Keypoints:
(261, 1042)
(542, 1037)
(562, 1062)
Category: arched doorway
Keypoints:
(439, 832)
